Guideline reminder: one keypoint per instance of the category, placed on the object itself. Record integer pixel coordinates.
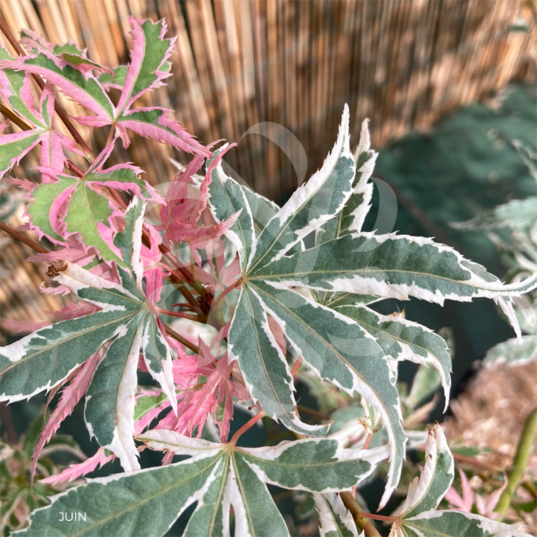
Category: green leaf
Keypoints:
(457, 524)
(117, 80)
(334, 519)
(13, 148)
(87, 208)
(351, 218)
(146, 403)
(226, 198)
(417, 516)
(515, 214)
(149, 52)
(263, 365)
(143, 504)
(32, 365)
(390, 266)
(109, 410)
(340, 351)
(262, 209)
(513, 351)
(426, 492)
(15, 82)
(425, 382)
(312, 205)
(216, 477)
(42, 360)
(404, 340)
(86, 90)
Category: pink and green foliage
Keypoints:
(142, 268)
(81, 212)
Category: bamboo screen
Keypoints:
(401, 63)
(241, 63)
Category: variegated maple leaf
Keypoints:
(418, 516)
(216, 477)
(125, 320)
(15, 88)
(336, 334)
(67, 205)
(69, 69)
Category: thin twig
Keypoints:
(192, 317)
(296, 365)
(250, 423)
(23, 238)
(14, 118)
(171, 332)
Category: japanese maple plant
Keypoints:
(279, 294)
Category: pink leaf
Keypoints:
(22, 327)
(15, 146)
(467, 501)
(81, 469)
(137, 62)
(50, 67)
(153, 123)
(71, 395)
(73, 255)
(74, 310)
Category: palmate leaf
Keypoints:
(340, 351)
(335, 347)
(217, 477)
(71, 71)
(40, 361)
(77, 205)
(358, 353)
(418, 517)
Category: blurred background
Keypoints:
(448, 86)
